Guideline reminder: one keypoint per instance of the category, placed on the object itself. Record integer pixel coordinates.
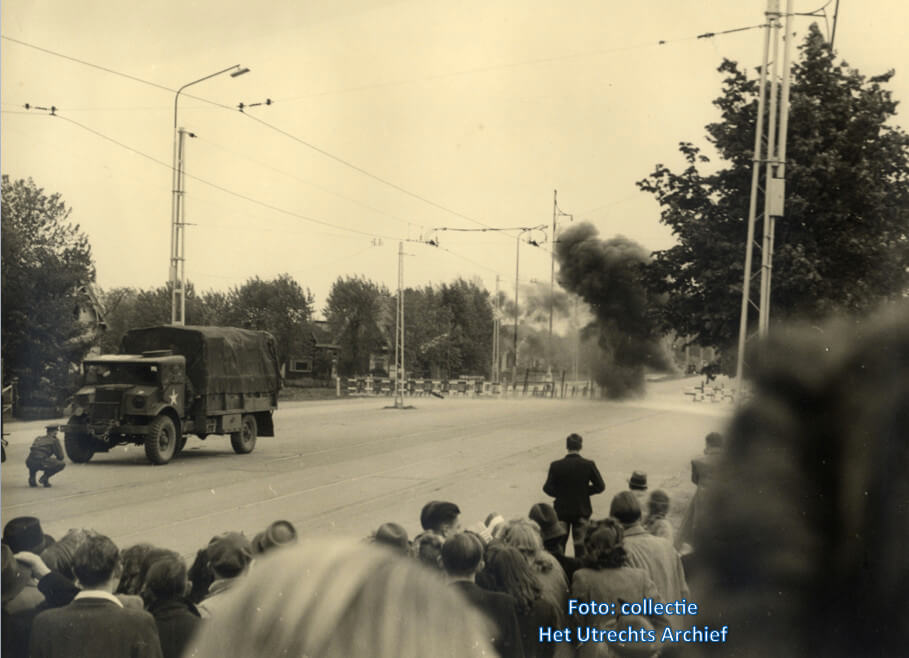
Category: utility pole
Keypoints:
(178, 234)
(494, 373)
(752, 208)
(517, 260)
(774, 191)
(399, 333)
(177, 270)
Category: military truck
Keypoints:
(172, 381)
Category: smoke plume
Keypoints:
(607, 274)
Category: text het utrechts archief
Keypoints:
(613, 632)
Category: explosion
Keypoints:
(607, 274)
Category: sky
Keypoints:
(389, 121)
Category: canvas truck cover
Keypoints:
(218, 359)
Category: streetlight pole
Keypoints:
(177, 222)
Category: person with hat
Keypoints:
(24, 533)
(555, 536)
(46, 454)
(393, 536)
(653, 554)
(277, 535)
(572, 480)
(228, 557)
(637, 484)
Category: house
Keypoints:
(318, 356)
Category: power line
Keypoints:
(233, 193)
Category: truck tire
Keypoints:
(244, 441)
(161, 441)
(79, 446)
(181, 443)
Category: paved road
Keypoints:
(344, 467)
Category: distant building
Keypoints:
(317, 357)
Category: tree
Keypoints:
(128, 308)
(470, 309)
(359, 312)
(280, 306)
(842, 245)
(44, 260)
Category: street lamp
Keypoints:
(177, 238)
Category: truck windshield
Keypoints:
(120, 373)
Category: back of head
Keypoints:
(132, 559)
(336, 599)
(573, 442)
(658, 503)
(811, 509)
(95, 561)
(278, 534)
(507, 571)
(165, 579)
(427, 549)
(603, 544)
(625, 507)
(714, 440)
(59, 556)
(393, 536)
(523, 535)
(229, 554)
(462, 554)
(438, 515)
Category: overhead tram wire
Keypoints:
(239, 195)
(267, 205)
(338, 158)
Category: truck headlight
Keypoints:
(139, 402)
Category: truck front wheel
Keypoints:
(79, 446)
(161, 441)
(244, 441)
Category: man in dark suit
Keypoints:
(572, 480)
(95, 623)
(462, 559)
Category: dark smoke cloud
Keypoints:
(607, 274)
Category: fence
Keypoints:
(468, 387)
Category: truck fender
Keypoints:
(167, 410)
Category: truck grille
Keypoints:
(106, 411)
(107, 404)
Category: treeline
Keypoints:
(448, 327)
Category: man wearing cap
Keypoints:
(572, 480)
(46, 455)
(95, 623)
(228, 557)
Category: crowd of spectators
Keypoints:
(809, 485)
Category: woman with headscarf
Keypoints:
(607, 578)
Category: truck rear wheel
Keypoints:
(244, 441)
(79, 446)
(161, 441)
